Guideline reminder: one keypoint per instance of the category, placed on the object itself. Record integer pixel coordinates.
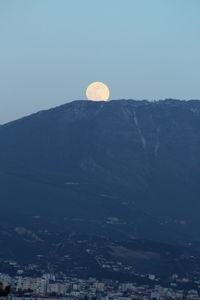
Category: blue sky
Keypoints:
(50, 50)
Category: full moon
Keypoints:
(97, 91)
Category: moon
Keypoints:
(97, 91)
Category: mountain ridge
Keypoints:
(58, 107)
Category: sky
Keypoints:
(51, 50)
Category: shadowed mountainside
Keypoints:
(121, 168)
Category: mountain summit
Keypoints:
(130, 168)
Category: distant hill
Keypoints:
(125, 169)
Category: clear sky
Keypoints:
(50, 50)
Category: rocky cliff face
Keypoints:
(130, 167)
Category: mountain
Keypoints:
(120, 169)
(79, 255)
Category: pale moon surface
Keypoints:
(97, 91)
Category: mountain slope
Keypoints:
(130, 168)
(83, 255)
